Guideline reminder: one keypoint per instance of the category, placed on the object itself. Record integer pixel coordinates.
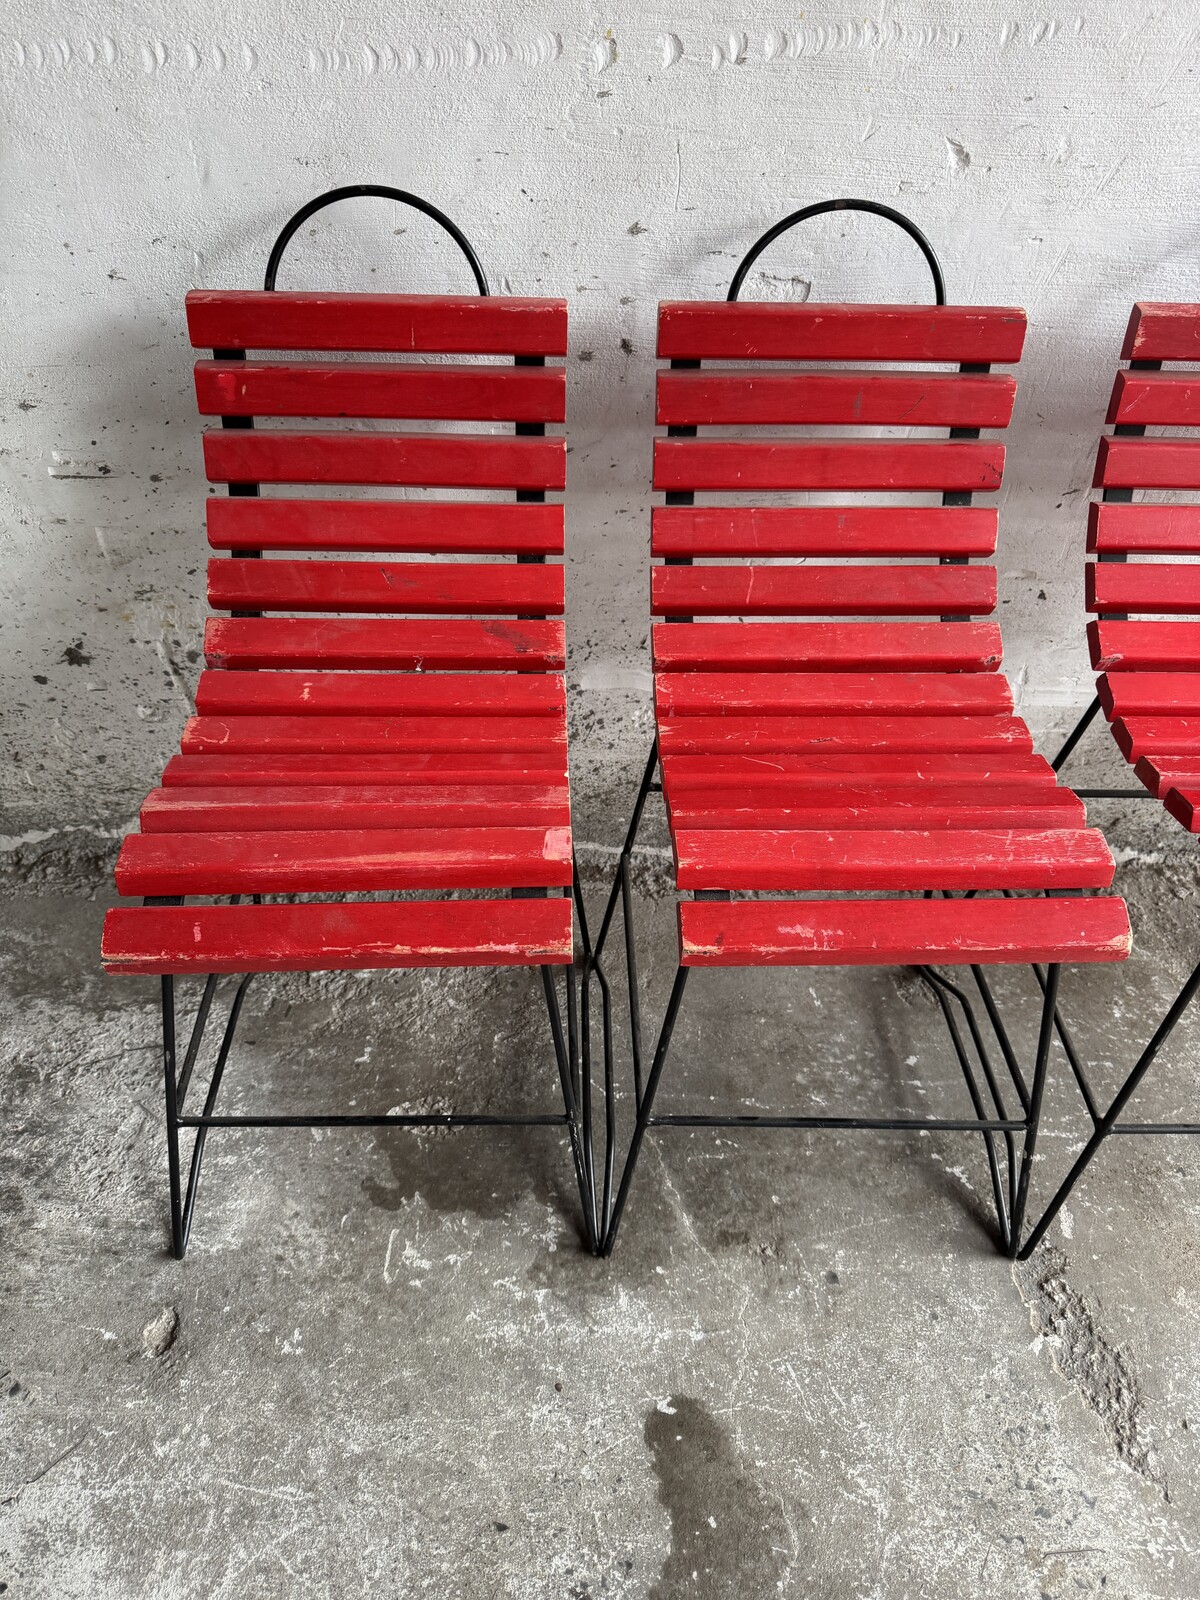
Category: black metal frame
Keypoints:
(1109, 1122)
(571, 1047)
(1010, 1169)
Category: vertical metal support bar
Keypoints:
(635, 1003)
(168, 1038)
(1034, 1114)
(646, 1105)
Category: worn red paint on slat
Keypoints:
(826, 331)
(406, 324)
(459, 527)
(780, 734)
(536, 768)
(398, 643)
(295, 807)
(350, 861)
(1155, 646)
(826, 646)
(435, 460)
(863, 399)
(1114, 528)
(392, 694)
(1026, 813)
(362, 389)
(1156, 399)
(823, 591)
(1157, 736)
(733, 464)
(1148, 464)
(1184, 806)
(882, 859)
(1160, 586)
(1163, 331)
(337, 938)
(823, 933)
(822, 530)
(1141, 694)
(392, 586)
(347, 735)
(736, 694)
(792, 772)
(1160, 773)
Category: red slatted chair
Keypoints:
(1149, 667)
(831, 784)
(367, 724)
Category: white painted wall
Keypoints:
(613, 157)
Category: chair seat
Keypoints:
(333, 938)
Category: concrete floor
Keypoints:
(387, 1368)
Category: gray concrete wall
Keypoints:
(610, 157)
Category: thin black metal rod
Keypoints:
(1038, 1088)
(631, 834)
(646, 1105)
(1155, 1127)
(1115, 794)
(564, 1054)
(1006, 1045)
(874, 208)
(631, 972)
(210, 1101)
(379, 191)
(977, 1101)
(1076, 733)
(867, 1124)
(193, 1049)
(168, 1037)
(1108, 1121)
(551, 1119)
(1074, 1060)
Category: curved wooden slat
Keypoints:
(405, 324)
(373, 389)
(337, 938)
(464, 527)
(824, 331)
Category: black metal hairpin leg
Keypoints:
(1108, 1123)
(575, 1113)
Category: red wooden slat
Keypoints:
(823, 591)
(373, 389)
(398, 643)
(852, 790)
(1141, 694)
(865, 399)
(1026, 813)
(900, 735)
(732, 464)
(436, 460)
(370, 735)
(239, 809)
(875, 859)
(1156, 399)
(846, 933)
(1160, 586)
(393, 586)
(1115, 528)
(384, 694)
(1157, 736)
(1148, 464)
(821, 530)
(1184, 806)
(822, 331)
(536, 768)
(827, 646)
(791, 772)
(737, 694)
(408, 324)
(343, 862)
(1160, 773)
(456, 528)
(1163, 332)
(337, 938)
(1154, 646)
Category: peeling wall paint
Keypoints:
(612, 157)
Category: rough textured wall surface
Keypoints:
(611, 157)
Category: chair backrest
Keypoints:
(239, 387)
(889, 386)
(1128, 462)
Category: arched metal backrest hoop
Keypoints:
(818, 210)
(379, 191)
